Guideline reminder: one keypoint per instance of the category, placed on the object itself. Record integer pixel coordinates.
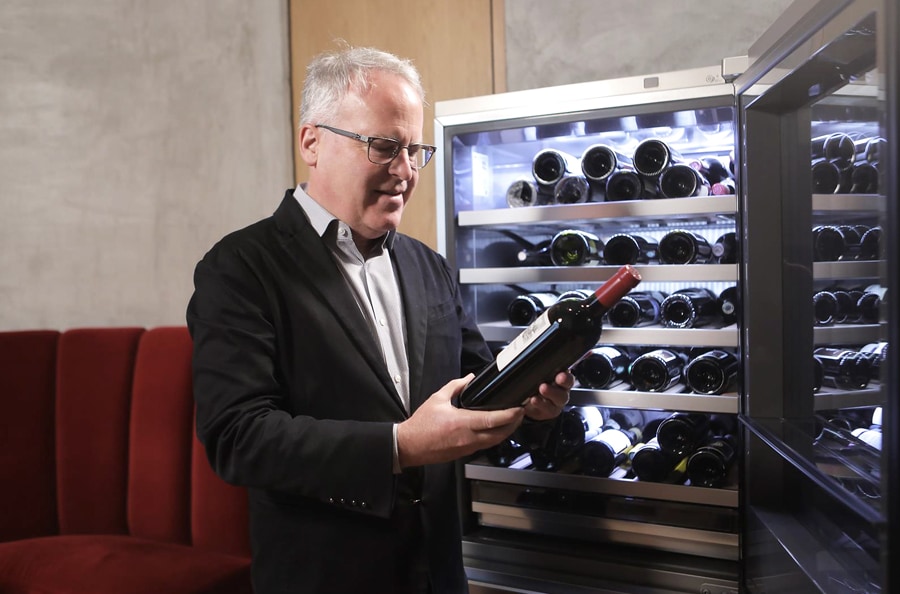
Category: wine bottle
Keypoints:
(828, 244)
(506, 453)
(869, 150)
(847, 311)
(713, 372)
(549, 166)
(575, 294)
(712, 169)
(657, 370)
(622, 248)
(723, 188)
(689, 308)
(837, 148)
(578, 425)
(523, 193)
(536, 255)
(682, 432)
(525, 309)
(852, 238)
(869, 307)
(682, 181)
(573, 247)
(601, 455)
(868, 435)
(818, 374)
(554, 342)
(724, 250)
(626, 184)
(876, 353)
(651, 463)
(652, 156)
(709, 464)
(572, 189)
(826, 177)
(636, 309)
(683, 247)
(864, 178)
(825, 308)
(602, 368)
(843, 369)
(729, 305)
(599, 162)
(870, 244)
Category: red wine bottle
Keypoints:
(524, 309)
(561, 336)
(600, 161)
(572, 189)
(652, 156)
(622, 249)
(712, 372)
(684, 247)
(682, 181)
(549, 166)
(602, 367)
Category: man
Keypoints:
(327, 348)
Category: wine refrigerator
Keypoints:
(732, 431)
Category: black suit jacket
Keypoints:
(294, 402)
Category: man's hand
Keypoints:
(440, 432)
(551, 398)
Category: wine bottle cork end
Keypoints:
(623, 281)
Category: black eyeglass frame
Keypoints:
(426, 150)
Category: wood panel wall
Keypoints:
(458, 47)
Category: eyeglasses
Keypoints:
(384, 150)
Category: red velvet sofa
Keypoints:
(104, 487)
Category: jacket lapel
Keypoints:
(307, 250)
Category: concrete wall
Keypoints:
(569, 41)
(134, 134)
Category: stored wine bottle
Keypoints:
(506, 453)
(712, 169)
(626, 184)
(684, 247)
(870, 244)
(852, 238)
(572, 189)
(864, 178)
(602, 367)
(550, 165)
(599, 162)
(573, 247)
(876, 353)
(868, 435)
(713, 372)
(837, 148)
(724, 250)
(636, 309)
(818, 374)
(575, 294)
(601, 455)
(651, 463)
(657, 370)
(536, 255)
(869, 304)
(622, 248)
(825, 308)
(829, 244)
(682, 181)
(843, 369)
(525, 309)
(709, 464)
(689, 308)
(523, 193)
(869, 149)
(682, 433)
(652, 156)
(578, 425)
(826, 177)
(729, 305)
(847, 311)
(552, 343)
(723, 188)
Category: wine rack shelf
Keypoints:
(724, 497)
(649, 335)
(709, 208)
(675, 399)
(596, 274)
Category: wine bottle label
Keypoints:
(521, 342)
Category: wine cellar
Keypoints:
(754, 347)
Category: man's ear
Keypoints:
(308, 141)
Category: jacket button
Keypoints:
(364, 505)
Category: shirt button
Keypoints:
(382, 322)
(397, 379)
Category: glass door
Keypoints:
(819, 253)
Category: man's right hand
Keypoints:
(439, 432)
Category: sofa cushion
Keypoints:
(93, 400)
(27, 388)
(113, 564)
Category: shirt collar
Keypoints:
(321, 219)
